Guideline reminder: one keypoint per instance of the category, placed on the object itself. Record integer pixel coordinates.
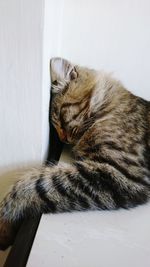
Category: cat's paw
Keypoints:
(7, 234)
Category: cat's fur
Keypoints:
(110, 130)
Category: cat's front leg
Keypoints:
(40, 191)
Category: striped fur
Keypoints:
(110, 130)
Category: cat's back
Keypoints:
(145, 110)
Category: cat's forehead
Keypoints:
(57, 103)
(62, 103)
(59, 100)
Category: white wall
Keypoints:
(21, 34)
(112, 35)
(21, 41)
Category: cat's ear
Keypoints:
(61, 69)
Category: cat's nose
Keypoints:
(62, 135)
(63, 138)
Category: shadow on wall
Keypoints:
(8, 178)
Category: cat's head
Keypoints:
(72, 88)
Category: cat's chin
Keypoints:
(67, 143)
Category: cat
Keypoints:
(109, 129)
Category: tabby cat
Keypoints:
(110, 130)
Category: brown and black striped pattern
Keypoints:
(110, 130)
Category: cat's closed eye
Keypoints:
(73, 131)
